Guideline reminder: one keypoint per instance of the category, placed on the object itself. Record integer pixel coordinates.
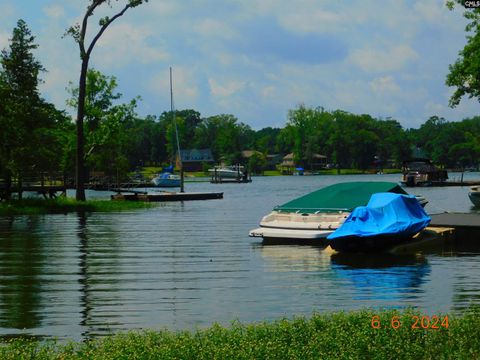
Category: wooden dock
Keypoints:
(465, 220)
(50, 190)
(456, 183)
(169, 196)
(230, 181)
(430, 238)
(466, 225)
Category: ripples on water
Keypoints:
(186, 265)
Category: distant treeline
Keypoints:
(37, 138)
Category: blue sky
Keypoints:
(258, 59)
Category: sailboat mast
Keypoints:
(172, 109)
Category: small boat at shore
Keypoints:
(387, 220)
(166, 180)
(421, 172)
(474, 195)
(314, 216)
(227, 172)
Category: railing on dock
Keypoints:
(46, 184)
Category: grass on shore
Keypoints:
(330, 336)
(150, 172)
(336, 172)
(63, 205)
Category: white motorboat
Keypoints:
(474, 195)
(318, 214)
(227, 172)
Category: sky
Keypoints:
(259, 59)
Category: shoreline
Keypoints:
(368, 333)
(61, 205)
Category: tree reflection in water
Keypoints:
(22, 260)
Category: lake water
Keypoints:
(187, 265)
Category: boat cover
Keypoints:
(165, 175)
(385, 214)
(342, 196)
(168, 169)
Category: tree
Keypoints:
(108, 128)
(465, 72)
(78, 32)
(21, 106)
(224, 136)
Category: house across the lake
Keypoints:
(288, 164)
(193, 159)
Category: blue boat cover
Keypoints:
(168, 169)
(385, 214)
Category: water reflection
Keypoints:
(83, 273)
(381, 276)
(287, 258)
(22, 258)
(186, 265)
(98, 275)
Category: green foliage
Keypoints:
(322, 336)
(32, 130)
(224, 136)
(107, 127)
(463, 74)
(256, 163)
(453, 144)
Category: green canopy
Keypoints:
(339, 197)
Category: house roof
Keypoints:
(196, 155)
(249, 153)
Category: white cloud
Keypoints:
(54, 11)
(384, 84)
(431, 10)
(225, 90)
(383, 60)
(4, 43)
(309, 20)
(184, 86)
(269, 91)
(215, 28)
(124, 43)
(433, 108)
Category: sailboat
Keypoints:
(167, 195)
(167, 178)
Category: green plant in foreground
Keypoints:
(322, 336)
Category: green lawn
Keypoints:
(366, 334)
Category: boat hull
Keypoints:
(167, 181)
(474, 197)
(171, 183)
(369, 244)
(226, 173)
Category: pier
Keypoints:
(169, 196)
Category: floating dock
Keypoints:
(230, 181)
(168, 196)
(430, 238)
(466, 225)
(456, 183)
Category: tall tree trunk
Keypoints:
(80, 163)
(8, 184)
(20, 184)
